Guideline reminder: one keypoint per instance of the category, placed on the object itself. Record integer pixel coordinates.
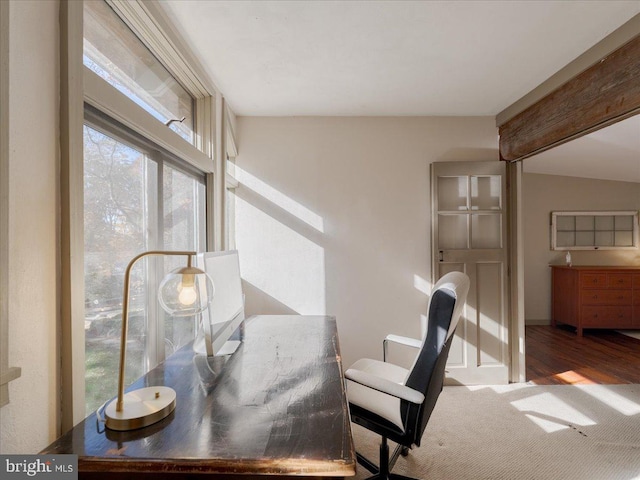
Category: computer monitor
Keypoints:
(226, 311)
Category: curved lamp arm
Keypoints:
(125, 314)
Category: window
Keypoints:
(136, 199)
(144, 189)
(124, 75)
(473, 205)
(113, 51)
(594, 230)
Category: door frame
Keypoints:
(515, 274)
(566, 88)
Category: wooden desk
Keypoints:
(277, 406)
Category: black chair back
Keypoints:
(427, 374)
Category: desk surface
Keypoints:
(277, 406)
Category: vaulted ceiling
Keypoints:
(612, 153)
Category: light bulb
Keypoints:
(185, 291)
(188, 295)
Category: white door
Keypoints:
(469, 235)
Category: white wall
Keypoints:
(333, 216)
(29, 422)
(543, 194)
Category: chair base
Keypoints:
(389, 476)
(386, 463)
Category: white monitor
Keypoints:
(226, 311)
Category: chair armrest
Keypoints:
(385, 386)
(409, 342)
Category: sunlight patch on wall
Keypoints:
(425, 287)
(279, 261)
(422, 285)
(278, 198)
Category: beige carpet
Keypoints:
(515, 432)
(630, 333)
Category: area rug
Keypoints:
(630, 333)
(522, 431)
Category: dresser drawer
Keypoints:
(619, 280)
(606, 297)
(606, 317)
(593, 280)
(636, 282)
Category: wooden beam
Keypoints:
(605, 93)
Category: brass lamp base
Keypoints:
(141, 407)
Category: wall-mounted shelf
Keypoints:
(592, 230)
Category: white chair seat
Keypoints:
(386, 406)
(394, 402)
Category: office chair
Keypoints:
(396, 403)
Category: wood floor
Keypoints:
(559, 356)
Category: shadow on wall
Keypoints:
(260, 303)
(282, 258)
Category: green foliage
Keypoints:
(122, 207)
(102, 364)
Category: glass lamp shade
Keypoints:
(185, 291)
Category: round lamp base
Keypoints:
(141, 407)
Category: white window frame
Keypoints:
(154, 352)
(151, 25)
(110, 101)
(230, 182)
(622, 213)
(6, 373)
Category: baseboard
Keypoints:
(537, 321)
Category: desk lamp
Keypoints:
(185, 291)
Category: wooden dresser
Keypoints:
(595, 297)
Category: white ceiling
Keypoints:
(612, 153)
(388, 57)
(369, 58)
